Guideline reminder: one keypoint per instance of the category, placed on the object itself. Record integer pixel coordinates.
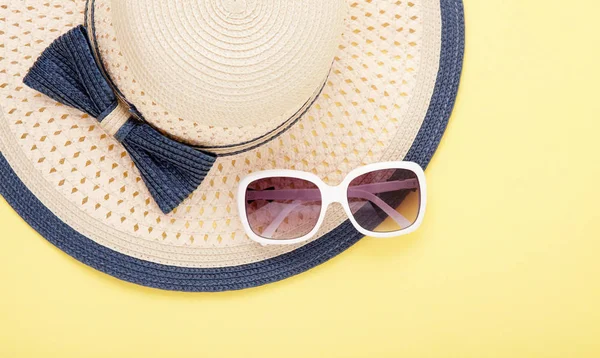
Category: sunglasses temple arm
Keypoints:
(396, 216)
(284, 194)
(366, 192)
(386, 187)
(270, 230)
(315, 194)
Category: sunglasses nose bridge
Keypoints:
(334, 194)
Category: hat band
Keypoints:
(222, 150)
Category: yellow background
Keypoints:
(507, 263)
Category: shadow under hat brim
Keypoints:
(239, 277)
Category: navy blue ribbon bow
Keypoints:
(68, 73)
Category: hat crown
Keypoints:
(229, 63)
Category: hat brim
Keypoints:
(250, 275)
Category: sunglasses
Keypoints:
(281, 207)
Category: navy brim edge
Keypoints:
(251, 275)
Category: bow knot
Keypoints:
(68, 73)
(114, 118)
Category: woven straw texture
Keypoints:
(377, 63)
(227, 63)
(388, 97)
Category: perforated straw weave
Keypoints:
(388, 96)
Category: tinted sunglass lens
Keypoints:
(281, 208)
(385, 201)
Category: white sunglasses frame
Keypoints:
(330, 195)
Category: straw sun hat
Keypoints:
(126, 125)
